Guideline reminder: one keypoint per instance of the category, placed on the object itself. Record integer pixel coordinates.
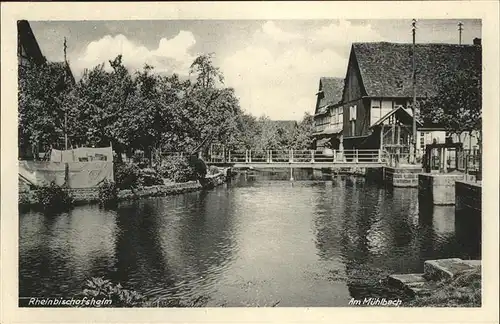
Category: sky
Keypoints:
(274, 66)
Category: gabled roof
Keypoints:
(401, 114)
(330, 91)
(386, 68)
(27, 40)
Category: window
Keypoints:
(352, 112)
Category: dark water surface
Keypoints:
(253, 242)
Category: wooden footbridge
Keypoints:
(298, 159)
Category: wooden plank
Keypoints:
(381, 136)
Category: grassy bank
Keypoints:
(464, 290)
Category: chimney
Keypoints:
(477, 41)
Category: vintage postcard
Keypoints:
(284, 162)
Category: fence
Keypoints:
(468, 160)
(296, 156)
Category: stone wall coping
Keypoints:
(441, 175)
(468, 183)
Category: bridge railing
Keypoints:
(298, 156)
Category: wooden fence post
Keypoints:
(356, 157)
(312, 156)
(379, 155)
(334, 156)
(246, 156)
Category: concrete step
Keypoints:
(414, 284)
(445, 269)
(403, 280)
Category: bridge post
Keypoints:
(229, 156)
(379, 155)
(356, 157)
(334, 156)
(270, 156)
(290, 156)
(312, 156)
(246, 156)
(250, 156)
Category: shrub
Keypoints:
(213, 170)
(126, 175)
(108, 193)
(99, 288)
(53, 197)
(149, 177)
(177, 169)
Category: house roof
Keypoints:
(401, 114)
(329, 131)
(386, 68)
(27, 40)
(331, 88)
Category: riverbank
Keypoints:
(28, 198)
(444, 283)
(464, 290)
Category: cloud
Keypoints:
(271, 30)
(281, 80)
(171, 55)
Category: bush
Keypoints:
(108, 193)
(149, 177)
(213, 170)
(53, 197)
(99, 288)
(177, 169)
(126, 175)
(130, 176)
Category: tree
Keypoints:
(42, 91)
(268, 137)
(207, 72)
(457, 105)
(100, 107)
(304, 133)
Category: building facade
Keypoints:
(378, 93)
(328, 114)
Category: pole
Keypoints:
(65, 130)
(414, 106)
(460, 33)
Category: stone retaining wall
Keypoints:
(438, 188)
(468, 196)
(87, 195)
(402, 176)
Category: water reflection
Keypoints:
(252, 242)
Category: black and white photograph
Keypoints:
(258, 163)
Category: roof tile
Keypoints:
(386, 68)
